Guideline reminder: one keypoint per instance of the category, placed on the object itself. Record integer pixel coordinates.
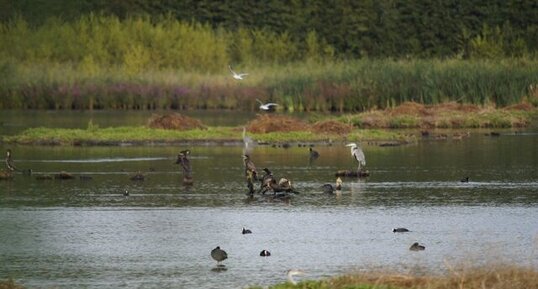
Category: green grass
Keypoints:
(117, 135)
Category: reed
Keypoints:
(101, 62)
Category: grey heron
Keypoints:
(400, 230)
(267, 106)
(246, 231)
(292, 272)
(246, 139)
(357, 154)
(219, 255)
(417, 247)
(238, 76)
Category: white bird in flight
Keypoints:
(358, 154)
(266, 106)
(238, 76)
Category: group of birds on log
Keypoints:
(267, 181)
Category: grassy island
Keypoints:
(274, 128)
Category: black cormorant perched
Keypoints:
(186, 165)
(313, 154)
(218, 255)
(465, 180)
(265, 253)
(246, 231)
(250, 173)
(9, 162)
(416, 247)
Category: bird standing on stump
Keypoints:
(358, 155)
(250, 173)
(186, 165)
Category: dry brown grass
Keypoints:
(10, 284)
(265, 123)
(409, 108)
(175, 121)
(331, 126)
(495, 277)
(524, 106)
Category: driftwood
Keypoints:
(63, 176)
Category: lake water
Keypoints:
(86, 234)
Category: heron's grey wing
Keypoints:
(359, 156)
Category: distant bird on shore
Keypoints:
(292, 272)
(400, 230)
(219, 255)
(267, 106)
(265, 253)
(465, 180)
(357, 154)
(238, 76)
(417, 247)
(126, 193)
(246, 231)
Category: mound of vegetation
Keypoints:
(265, 123)
(175, 121)
(331, 126)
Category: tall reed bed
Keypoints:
(101, 62)
(333, 86)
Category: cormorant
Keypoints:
(313, 154)
(265, 253)
(246, 231)
(186, 165)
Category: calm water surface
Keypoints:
(86, 234)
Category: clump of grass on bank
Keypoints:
(9, 284)
(175, 121)
(448, 115)
(505, 277)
